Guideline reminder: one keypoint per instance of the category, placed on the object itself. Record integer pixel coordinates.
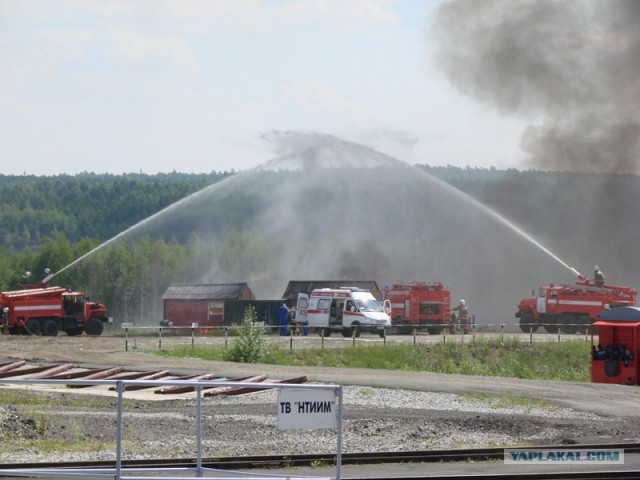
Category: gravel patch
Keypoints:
(375, 419)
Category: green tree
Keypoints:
(250, 346)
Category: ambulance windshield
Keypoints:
(369, 306)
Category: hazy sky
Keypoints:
(191, 85)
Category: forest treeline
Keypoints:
(33, 209)
(49, 222)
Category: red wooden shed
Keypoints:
(201, 303)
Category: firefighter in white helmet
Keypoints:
(463, 317)
(598, 277)
(24, 279)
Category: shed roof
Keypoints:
(216, 291)
(621, 314)
(307, 286)
(616, 324)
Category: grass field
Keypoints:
(567, 360)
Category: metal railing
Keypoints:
(130, 473)
(224, 336)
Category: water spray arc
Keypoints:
(122, 234)
(314, 151)
(489, 211)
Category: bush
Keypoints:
(250, 344)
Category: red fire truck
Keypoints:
(46, 311)
(420, 305)
(571, 308)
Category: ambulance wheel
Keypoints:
(382, 333)
(528, 323)
(94, 327)
(327, 332)
(583, 323)
(352, 331)
(33, 327)
(50, 328)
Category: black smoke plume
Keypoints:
(571, 68)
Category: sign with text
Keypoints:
(307, 409)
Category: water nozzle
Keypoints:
(47, 278)
(575, 272)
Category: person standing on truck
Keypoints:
(598, 277)
(24, 279)
(463, 315)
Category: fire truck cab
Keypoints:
(348, 310)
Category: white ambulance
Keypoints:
(348, 310)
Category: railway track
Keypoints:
(20, 369)
(276, 462)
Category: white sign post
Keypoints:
(307, 409)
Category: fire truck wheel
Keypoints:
(568, 323)
(435, 330)
(33, 327)
(528, 323)
(73, 332)
(94, 326)
(550, 326)
(583, 323)
(50, 328)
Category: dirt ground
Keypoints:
(385, 410)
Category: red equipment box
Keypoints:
(615, 358)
